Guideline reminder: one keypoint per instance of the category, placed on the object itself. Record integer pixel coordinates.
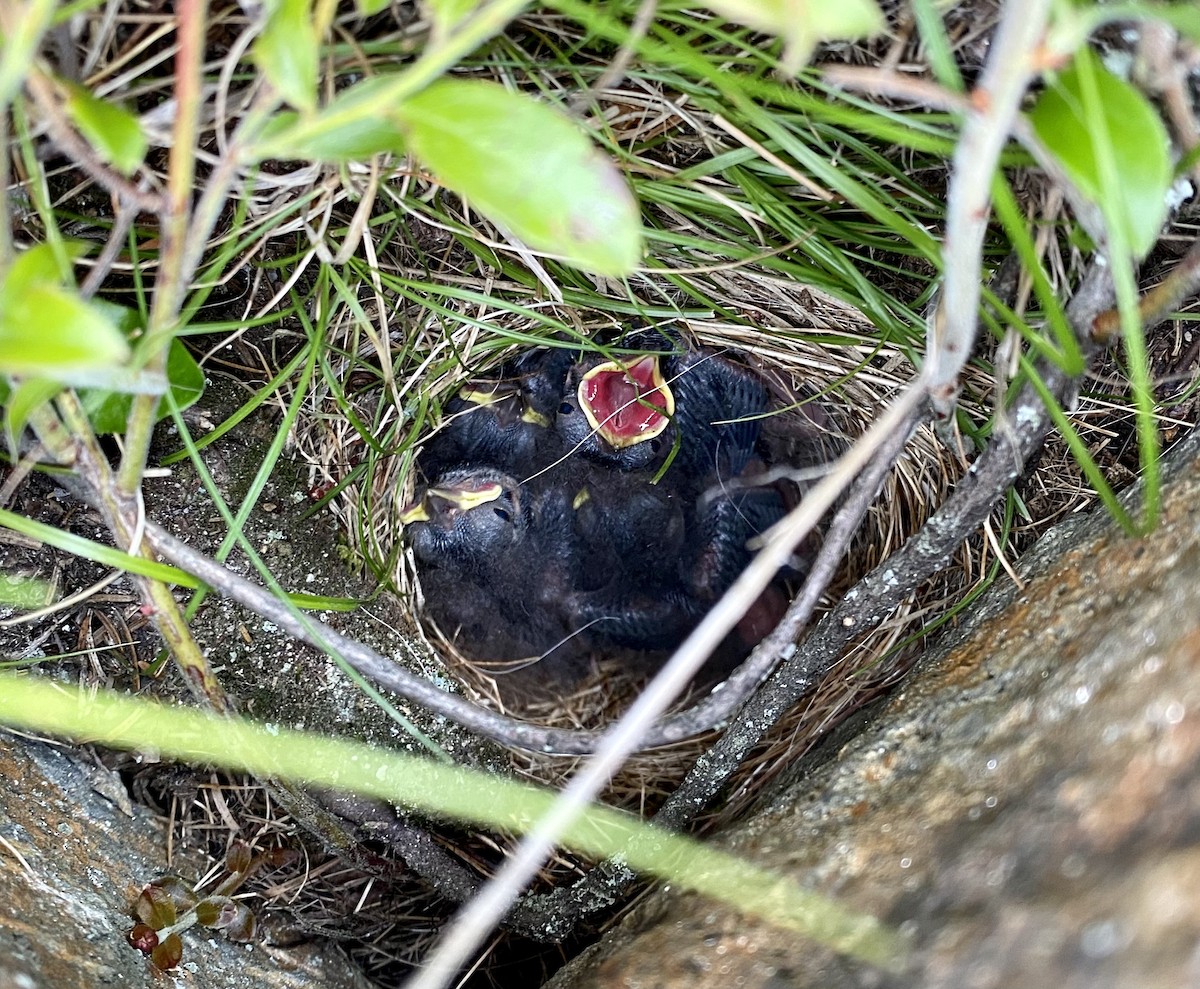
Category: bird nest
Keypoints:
(809, 347)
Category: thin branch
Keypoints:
(170, 287)
(126, 518)
(1011, 66)
(1157, 304)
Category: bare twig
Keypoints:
(896, 85)
(1157, 304)
(1011, 65)
(171, 285)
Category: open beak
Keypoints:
(626, 404)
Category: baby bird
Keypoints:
(627, 531)
(720, 407)
(497, 562)
(502, 422)
(527, 551)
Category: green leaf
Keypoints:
(24, 593)
(1136, 140)
(49, 331)
(168, 954)
(802, 23)
(37, 266)
(369, 7)
(46, 329)
(287, 52)
(108, 411)
(115, 133)
(20, 401)
(351, 136)
(182, 895)
(529, 168)
(155, 906)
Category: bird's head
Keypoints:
(470, 513)
(505, 400)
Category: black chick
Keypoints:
(664, 584)
(663, 570)
(468, 517)
(617, 412)
(502, 422)
(498, 563)
(719, 411)
(627, 531)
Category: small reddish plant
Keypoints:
(170, 905)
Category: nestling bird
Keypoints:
(473, 515)
(627, 531)
(498, 556)
(502, 422)
(526, 550)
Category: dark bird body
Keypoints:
(503, 422)
(563, 517)
(499, 563)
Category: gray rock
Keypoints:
(1025, 810)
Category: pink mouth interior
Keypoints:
(621, 400)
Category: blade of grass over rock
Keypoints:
(1124, 249)
(271, 751)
